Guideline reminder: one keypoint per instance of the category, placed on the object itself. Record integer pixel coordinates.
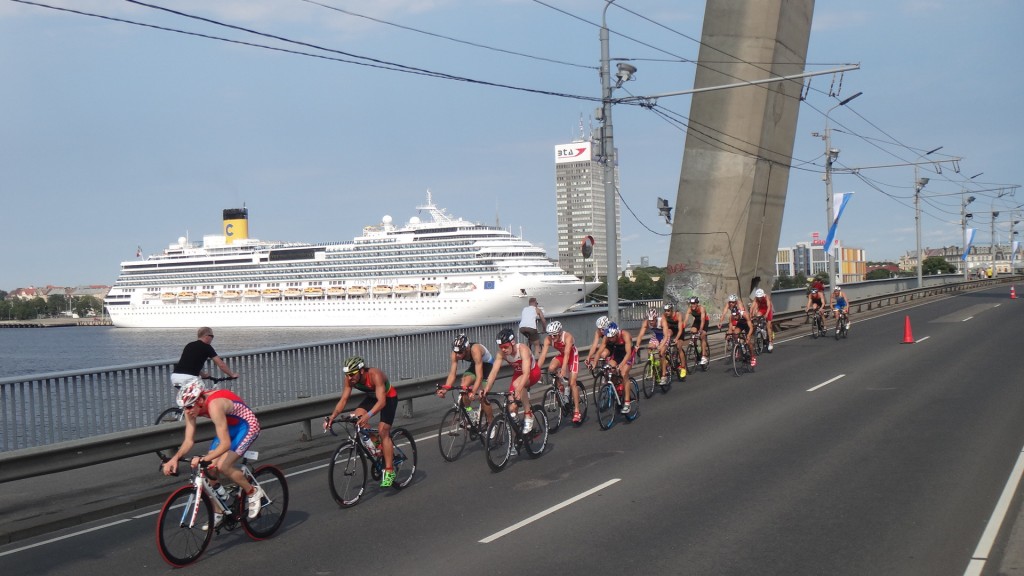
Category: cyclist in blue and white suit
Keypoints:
(839, 302)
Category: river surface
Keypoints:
(43, 350)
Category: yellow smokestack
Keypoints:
(236, 224)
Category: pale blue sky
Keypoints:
(115, 136)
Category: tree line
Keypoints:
(53, 306)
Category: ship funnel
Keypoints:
(236, 224)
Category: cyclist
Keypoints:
(237, 428)
(619, 345)
(602, 325)
(815, 302)
(700, 323)
(841, 304)
(189, 368)
(672, 320)
(567, 360)
(658, 340)
(761, 305)
(532, 316)
(381, 398)
(739, 323)
(525, 373)
(480, 360)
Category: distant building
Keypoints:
(808, 258)
(580, 210)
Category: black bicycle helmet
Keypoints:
(506, 336)
(460, 343)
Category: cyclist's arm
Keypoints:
(171, 466)
(478, 367)
(452, 375)
(224, 367)
(498, 360)
(340, 407)
(569, 343)
(544, 349)
(592, 353)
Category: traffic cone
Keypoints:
(1013, 292)
(908, 335)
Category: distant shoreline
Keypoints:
(55, 322)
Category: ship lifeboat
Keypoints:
(251, 293)
(292, 293)
(206, 295)
(357, 290)
(313, 292)
(169, 296)
(272, 293)
(335, 291)
(430, 289)
(231, 294)
(381, 290)
(186, 296)
(406, 289)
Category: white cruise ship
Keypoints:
(444, 272)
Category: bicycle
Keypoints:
(347, 471)
(505, 436)
(760, 334)
(817, 323)
(459, 425)
(652, 374)
(694, 353)
(842, 324)
(739, 352)
(558, 402)
(608, 396)
(176, 414)
(182, 535)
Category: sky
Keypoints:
(116, 136)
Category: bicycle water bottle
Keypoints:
(364, 437)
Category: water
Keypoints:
(41, 350)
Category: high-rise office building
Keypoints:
(580, 210)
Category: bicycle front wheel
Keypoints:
(498, 444)
(274, 504)
(650, 378)
(183, 528)
(405, 457)
(346, 474)
(553, 409)
(634, 405)
(536, 439)
(737, 359)
(452, 436)
(759, 343)
(168, 416)
(584, 403)
(605, 401)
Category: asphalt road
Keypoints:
(860, 456)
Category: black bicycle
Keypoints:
(609, 396)
(558, 403)
(817, 321)
(739, 352)
(694, 353)
(842, 324)
(357, 454)
(760, 334)
(176, 414)
(506, 435)
(461, 424)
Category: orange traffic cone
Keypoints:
(1013, 292)
(908, 335)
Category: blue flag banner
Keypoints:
(838, 205)
(1013, 253)
(967, 246)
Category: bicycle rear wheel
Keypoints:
(168, 416)
(498, 444)
(553, 409)
(536, 439)
(814, 326)
(584, 403)
(346, 474)
(179, 527)
(634, 405)
(275, 504)
(452, 436)
(605, 401)
(759, 343)
(405, 457)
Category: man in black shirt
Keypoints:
(194, 356)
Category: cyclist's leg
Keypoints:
(387, 418)
(242, 436)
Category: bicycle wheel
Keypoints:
(634, 405)
(537, 438)
(498, 444)
(485, 422)
(584, 403)
(553, 408)
(759, 343)
(179, 527)
(650, 378)
(405, 457)
(275, 504)
(346, 474)
(605, 401)
(168, 416)
(737, 359)
(452, 436)
(697, 356)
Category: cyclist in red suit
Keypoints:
(525, 373)
(619, 344)
(761, 305)
(567, 360)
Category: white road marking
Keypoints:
(988, 537)
(551, 510)
(966, 319)
(922, 340)
(65, 537)
(826, 383)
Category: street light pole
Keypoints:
(831, 155)
(608, 159)
(993, 239)
(919, 183)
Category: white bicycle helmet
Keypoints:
(554, 327)
(759, 293)
(190, 393)
(602, 323)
